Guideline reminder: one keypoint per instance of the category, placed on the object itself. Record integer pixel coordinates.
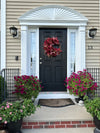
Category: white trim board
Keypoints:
(3, 34)
(54, 95)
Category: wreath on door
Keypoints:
(51, 47)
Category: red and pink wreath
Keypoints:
(50, 48)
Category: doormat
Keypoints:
(55, 102)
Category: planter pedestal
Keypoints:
(96, 130)
(81, 103)
(97, 124)
(14, 127)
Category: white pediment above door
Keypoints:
(52, 14)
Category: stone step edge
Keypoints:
(57, 124)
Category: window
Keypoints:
(72, 51)
(33, 53)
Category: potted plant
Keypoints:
(80, 83)
(27, 86)
(93, 107)
(12, 113)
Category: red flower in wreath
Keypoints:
(50, 47)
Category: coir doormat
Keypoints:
(55, 102)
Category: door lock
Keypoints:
(40, 62)
(40, 58)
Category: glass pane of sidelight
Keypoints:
(33, 53)
(72, 50)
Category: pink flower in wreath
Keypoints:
(55, 40)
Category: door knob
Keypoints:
(40, 58)
(40, 62)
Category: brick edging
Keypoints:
(57, 124)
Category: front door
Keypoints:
(53, 70)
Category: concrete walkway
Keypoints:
(65, 130)
(73, 112)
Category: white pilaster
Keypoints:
(3, 34)
(80, 49)
(24, 50)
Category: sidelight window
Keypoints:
(72, 50)
(33, 53)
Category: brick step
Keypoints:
(57, 124)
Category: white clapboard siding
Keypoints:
(89, 8)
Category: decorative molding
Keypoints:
(3, 34)
(52, 14)
(54, 23)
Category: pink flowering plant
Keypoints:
(80, 83)
(11, 112)
(27, 86)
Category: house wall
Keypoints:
(16, 8)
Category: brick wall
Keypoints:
(57, 124)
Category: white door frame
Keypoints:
(80, 49)
(80, 56)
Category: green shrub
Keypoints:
(13, 111)
(93, 106)
(3, 84)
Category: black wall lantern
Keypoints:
(13, 31)
(92, 32)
